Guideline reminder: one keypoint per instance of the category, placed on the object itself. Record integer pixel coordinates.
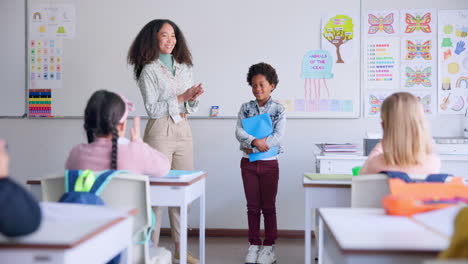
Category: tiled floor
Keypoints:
(227, 250)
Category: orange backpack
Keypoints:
(412, 198)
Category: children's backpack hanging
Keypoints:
(82, 187)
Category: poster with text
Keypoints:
(381, 63)
(340, 37)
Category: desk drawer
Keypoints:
(338, 166)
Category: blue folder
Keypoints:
(260, 126)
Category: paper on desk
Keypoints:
(441, 220)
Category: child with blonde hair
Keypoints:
(406, 145)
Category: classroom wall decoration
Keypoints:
(327, 91)
(338, 31)
(382, 23)
(373, 102)
(403, 62)
(40, 102)
(453, 62)
(381, 62)
(417, 21)
(316, 68)
(52, 20)
(417, 76)
(45, 63)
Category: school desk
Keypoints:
(367, 235)
(342, 164)
(175, 193)
(73, 233)
(180, 193)
(322, 193)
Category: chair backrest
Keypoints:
(368, 190)
(123, 191)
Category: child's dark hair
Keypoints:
(102, 115)
(145, 47)
(265, 70)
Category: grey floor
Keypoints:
(227, 250)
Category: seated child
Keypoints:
(20, 213)
(105, 122)
(406, 145)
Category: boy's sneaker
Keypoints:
(190, 258)
(252, 254)
(267, 255)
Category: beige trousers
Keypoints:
(175, 141)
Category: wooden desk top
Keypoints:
(65, 226)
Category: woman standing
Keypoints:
(162, 65)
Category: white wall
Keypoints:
(40, 147)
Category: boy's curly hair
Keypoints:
(265, 70)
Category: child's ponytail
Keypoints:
(103, 114)
(115, 137)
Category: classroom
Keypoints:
(225, 38)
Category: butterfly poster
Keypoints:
(382, 22)
(427, 100)
(417, 76)
(452, 87)
(418, 49)
(418, 21)
(373, 102)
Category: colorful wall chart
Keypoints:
(409, 67)
(382, 22)
(338, 36)
(416, 76)
(45, 63)
(417, 21)
(453, 62)
(373, 101)
(381, 63)
(51, 21)
(316, 70)
(40, 102)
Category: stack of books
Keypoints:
(338, 149)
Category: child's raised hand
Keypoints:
(135, 130)
(261, 144)
(4, 160)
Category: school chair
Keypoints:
(367, 191)
(123, 191)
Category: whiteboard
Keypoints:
(12, 58)
(225, 38)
